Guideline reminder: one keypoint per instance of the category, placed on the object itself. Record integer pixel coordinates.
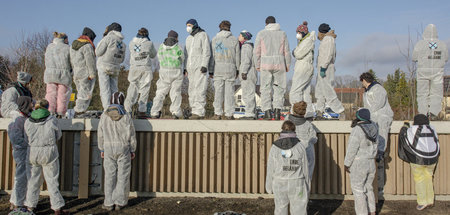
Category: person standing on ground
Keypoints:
(82, 57)
(225, 61)
(272, 58)
(142, 51)
(9, 108)
(58, 74)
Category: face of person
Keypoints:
(365, 84)
(66, 41)
(241, 38)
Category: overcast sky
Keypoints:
(369, 33)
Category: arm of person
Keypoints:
(326, 52)
(303, 49)
(206, 52)
(101, 47)
(89, 57)
(257, 53)
(246, 59)
(237, 49)
(287, 53)
(153, 51)
(132, 139)
(352, 147)
(270, 170)
(100, 139)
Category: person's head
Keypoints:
(288, 126)
(62, 36)
(117, 98)
(363, 114)
(41, 104)
(25, 104)
(89, 33)
(270, 20)
(299, 108)
(302, 30)
(115, 27)
(244, 36)
(324, 28)
(225, 25)
(172, 34)
(366, 79)
(24, 78)
(142, 33)
(421, 119)
(191, 25)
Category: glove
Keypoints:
(244, 76)
(322, 72)
(380, 156)
(211, 75)
(203, 69)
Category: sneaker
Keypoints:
(268, 115)
(421, 207)
(277, 114)
(108, 208)
(118, 207)
(216, 117)
(195, 117)
(228, 118)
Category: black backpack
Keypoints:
(409, 152)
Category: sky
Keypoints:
(370, 34)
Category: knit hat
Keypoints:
(299, 108)
(24, 104)
(192, 22)
(117, 98)
(303, 28)
(363, 114)
(23, 77)
(89, 33)
(225, 25)
(115, 27)
(247, 35)
(324, 28)
(421, 119)
(173, 34)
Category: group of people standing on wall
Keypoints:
(34, 130)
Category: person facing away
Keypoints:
(305, 132)
(224, 64)
(117, 143)
(325, 94)
(19, 143)
(82, 58)
(140, 76)
(304, 69)
(198, 53)
(248, 77)
(287, 173)
(110, 53)
(43, 132)
(419, 146)
(272, 59)
(431, 55)
(58, 74)
(9, 108)
(171, 60)
(360, 161)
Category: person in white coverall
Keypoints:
(272, 58)
(110, 53)
(82, 58)
(142, 51)
(376, 100)
(117, 143)
(198, 53)
(19, 144)
(247, 75)
(360, 161)
(304, 69)
(43, 132)
(171, 59)
(9, 107)
(431, 55)
(325, 94)
(287, 173)
(225, 61)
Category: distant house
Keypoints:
(238, 96)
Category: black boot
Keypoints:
(277, 114)
(268, 115)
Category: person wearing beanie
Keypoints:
(225, 62)
(419, 145)
(9, 107)
(171, 60)
(110, 54)
(430, 55)
(272, 58)
(198, 54)
(142, 52)
(325, 94)
(376, 100)
(305, 132)
(19, 143)
(248, 77)
(360, 161)
(304, 69)
(82, 57)
(43, 133)
(117, 144)
(288, 173)
(58, 74)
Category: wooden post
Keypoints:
(85, 155)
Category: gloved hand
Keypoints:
(380, 156)
(244, 76)
(203, 69)
(91, 77)
(322, 72)
(211, 75)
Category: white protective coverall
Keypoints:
(248, 86)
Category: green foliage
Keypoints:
(399, 91)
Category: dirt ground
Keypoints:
(208, 206)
